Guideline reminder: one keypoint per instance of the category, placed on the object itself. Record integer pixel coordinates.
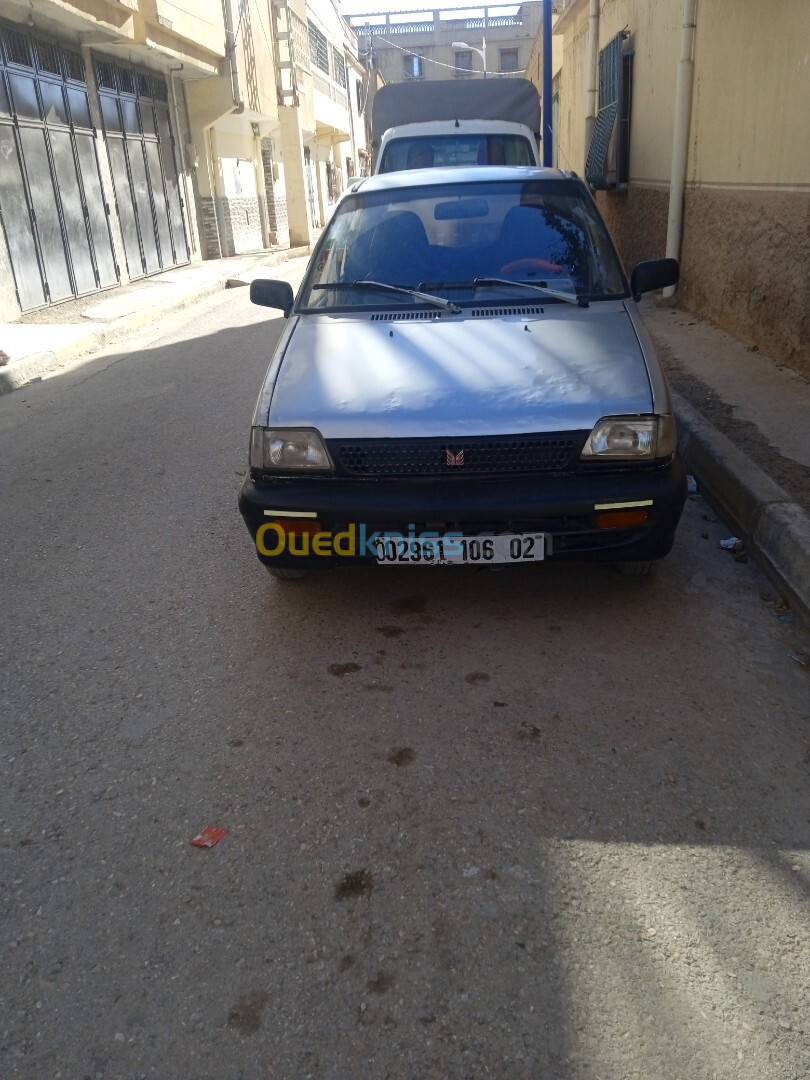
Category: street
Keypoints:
(547, 821)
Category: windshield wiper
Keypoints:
(429, 298)
(570, 298)
(582, 299)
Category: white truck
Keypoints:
(450, 122)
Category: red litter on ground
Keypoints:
(210, 835)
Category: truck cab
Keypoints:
(449, 143)
(443, 123)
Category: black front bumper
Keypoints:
(563, 506)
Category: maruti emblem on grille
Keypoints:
(453, 459)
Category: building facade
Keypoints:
(141, 135)
(740, 76)
(495, 40)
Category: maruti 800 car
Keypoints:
(464, 378)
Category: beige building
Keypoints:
(447, 44)
(709, 99)
(138, 135)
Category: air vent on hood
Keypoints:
(399, 316)
(499, 312)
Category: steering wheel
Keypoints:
(531, 264)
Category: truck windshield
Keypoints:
(444, 151)
(445, 238)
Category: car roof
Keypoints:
(407, 178)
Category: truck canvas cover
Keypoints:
(516, 100)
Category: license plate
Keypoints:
(461, 550)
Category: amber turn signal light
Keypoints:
(621, 519)
(298, 526)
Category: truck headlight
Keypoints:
(632, 437)
(288, 450)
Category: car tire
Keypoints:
(283, 573)
(637, 569)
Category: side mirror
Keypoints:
(652, 275)
(268, 292)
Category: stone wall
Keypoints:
(240, 224)
(746, 266)
(637, 220)
(275, 198)
(210, 230)
(744, 258)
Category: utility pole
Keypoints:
(547, 112)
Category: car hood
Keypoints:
(409, 374)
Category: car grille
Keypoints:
(499, 455)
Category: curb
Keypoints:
(775, 529)
(30, 369)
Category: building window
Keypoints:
(18, 48)
(509, 60)
(358, 88)
(463, 62)
(608, 163)
(318, 48)
(339, 67)
(413, 66)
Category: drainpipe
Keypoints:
(237, 108)
(593, 74)
(261, 187)
(547, 77)
(181, 144)
(208, 137)
(230, 48)
(680, 136)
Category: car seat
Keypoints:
(526, 236)
(399, 250)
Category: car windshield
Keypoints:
(447, 151)
(461, 242)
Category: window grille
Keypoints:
(126, 81)
(509, 60)
(413, 65)
(74, 65)
(318, 48)
(339, 67)
(608, 163)
(48, 57)
(105, 74)
(463, 62)
(18, 48)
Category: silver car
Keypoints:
(464, 378)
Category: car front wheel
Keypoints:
(282, 573)
(637, 569)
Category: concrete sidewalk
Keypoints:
(41, 343)
(743, 422)
(743, 419)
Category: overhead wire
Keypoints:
(430, 60)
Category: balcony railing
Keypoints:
(410, 28)
(488, 24)
(327, 87)
(461, 25)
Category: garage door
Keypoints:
(140, 144)
(52, 205)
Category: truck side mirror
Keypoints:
(655, 274)
(268, 292)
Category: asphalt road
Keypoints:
(547, 822)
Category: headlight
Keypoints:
(288, 450)
(632, 437)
